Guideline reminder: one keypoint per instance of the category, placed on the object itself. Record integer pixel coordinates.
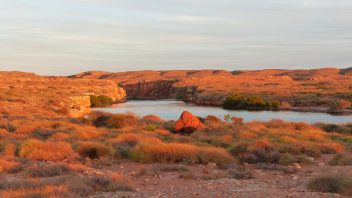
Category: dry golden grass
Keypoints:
(154, 150)
(51, 191)
(3, 132)
(9, 165)
(10, 150)
(129, 138)
(218, 141)
(59, 137)
(50, 151)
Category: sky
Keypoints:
(62, 37)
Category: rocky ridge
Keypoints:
(29, 94)
(297, 88)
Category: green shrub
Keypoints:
(236, 101)
(238, 148)
(100, 101)
(151, 127)
(333, 183)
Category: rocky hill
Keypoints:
(29, 94)
(298, 88)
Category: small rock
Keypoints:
(296, 165)
(212, 165)
(320, 164)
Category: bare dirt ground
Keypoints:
(207, 181)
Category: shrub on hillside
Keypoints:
(10, 166)
(214, 122)
(152, 119)
(339, 128)
(216, 155)
(237, 101)
(341, 160)
(154, 150)
(48, 171)
(94, 150)
(51, 151)
(333, 183)
(240, 173)
(121, 120)
(100, 101)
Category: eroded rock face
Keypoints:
(144, 90)
(187, 123)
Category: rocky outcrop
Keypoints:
(119, 95)
(148, 90)
(195, 95)
(79, 106)
(187, 123)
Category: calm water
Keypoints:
(171, 110)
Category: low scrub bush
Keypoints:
(10, 150)
(152, 119)
(332, 183)
(100, 101)
(213, 154)
(38, 192)
(94, 150)
(237, 101)
(341, 160)
(153, 150)
(240, 173)
(151, 127)
(214, 122)
(50, 151)
(187, 175)
(85, 186)
(48, 171)
(339, 128)
(276, 167)
(10, 166)
(102, 119)
(287, 159)
(122, 120)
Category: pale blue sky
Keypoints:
(60, 37)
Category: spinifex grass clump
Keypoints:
(332, 183)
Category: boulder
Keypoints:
(187, 123)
